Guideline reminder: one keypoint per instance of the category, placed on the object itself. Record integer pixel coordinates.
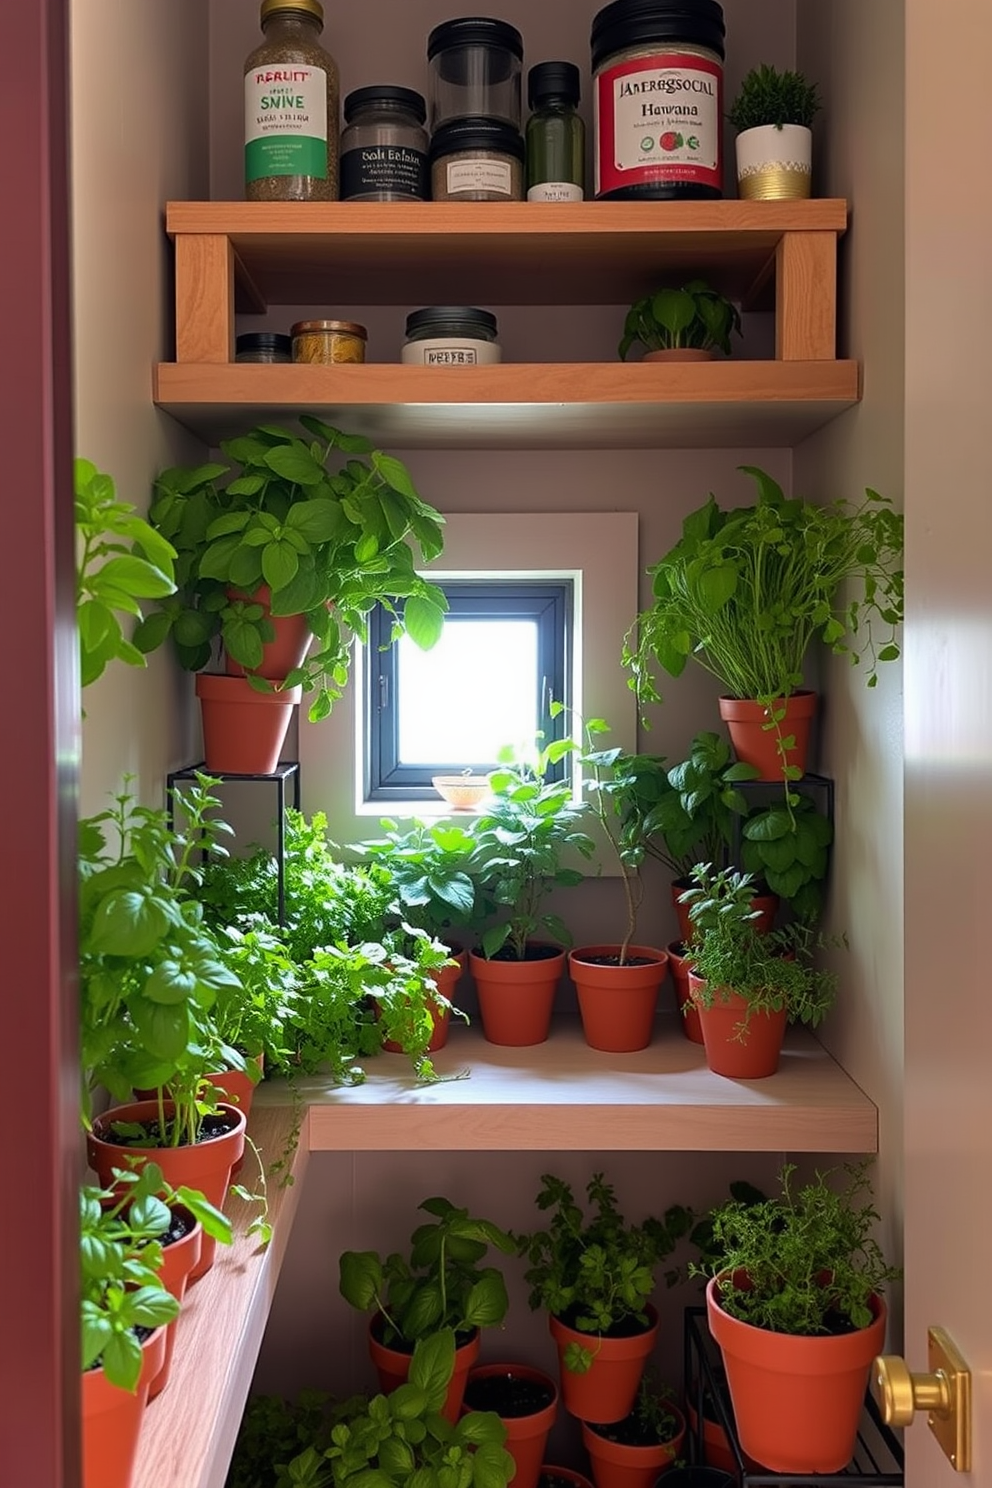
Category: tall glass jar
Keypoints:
(556, 156)
(384, 146)
(291, 107)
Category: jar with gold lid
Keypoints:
(329, 342)
(291, 107)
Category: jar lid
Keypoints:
(345, 327)
(475, 31)
(408, 98)
(474, 132)
(628, 23)
(553, 80)
(263, 341)
(308, 7)
(439, 316)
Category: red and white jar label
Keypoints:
(659, 121)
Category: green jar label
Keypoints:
(286, 122)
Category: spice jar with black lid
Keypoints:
(263, 346)
(451, 336)
(475, 64)
(384, 146)
(291, 107)
(555, 134)
(477, 160)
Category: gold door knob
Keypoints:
(944, 1393)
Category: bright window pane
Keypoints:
(476, 691)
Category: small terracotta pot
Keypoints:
(797, 1400)
(282, 655)
(526, 1436)
(516, 997)
(445, 980)
(206, 1166)
(679, 963)
(608, 1389)
(112, 1419)
(179, 1260)
(698, 1477)
(615, 1465)
(617, 1003)
(754, 1056)
(563, 1474)
(755, 744)
(392, 1367)
(243, 730)
(680, 354)
(238, 1087)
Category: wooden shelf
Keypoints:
(189, 1431)
(588, 405)
(564, 1096)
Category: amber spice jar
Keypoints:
(329, 342)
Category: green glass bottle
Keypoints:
(555, 134)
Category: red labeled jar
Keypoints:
(658, 100)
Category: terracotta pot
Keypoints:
(205, 1166)
(797, 1400)
(679, 963)
(755, 744)
(238, 1087)
(553, 1476)
(615, 1465)
(445, 980)
(698, 1477)
(243, 730)
(179, 1260)
(526, 1436)
(717, 1451)
(680, 354)
(282, 655)
(751, 1057)
(392, 1367)
(112, 1419)
(617, 1003)
(608, 1389)
(516, 997)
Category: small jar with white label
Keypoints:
(477, 159)
(451, 336)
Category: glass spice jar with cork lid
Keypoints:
(329, 342)
(291, 107)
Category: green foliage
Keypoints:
(120, 561)
(768, 96)
(693, 316)
(274, 1431)
(330, 533)
(745, 592)
(527, 828)
(427, 864)
(599, 1272)
(809, 1255)
(728, 953)
(789, 848)
(441, 1286)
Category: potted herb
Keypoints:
(527, 830)
(772, 113)
(794, 1303)
(787, 847)
(441, 1286)
(746, 591)
(526, 1401)
(634, 1452)
(272, 1432)
(681, 325)
(747, 985)
(594, 1277)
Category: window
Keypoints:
(505, 653)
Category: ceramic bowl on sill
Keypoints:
(462, 792)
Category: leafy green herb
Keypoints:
(768, 96)
(693, 316)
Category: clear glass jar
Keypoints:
(477, 160)
(384, 146)
(291, 108)
(475, 64)
(329, 342)
(556, 136)
(263, 346)
(451, 336)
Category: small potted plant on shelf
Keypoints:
(794, 1303)
(681, 325)
(747, 590)
(309, 532)
(747, 985)
(772, 113)
(594, 1278)
(441, 1286)
(529, 827)
(526, 1401)
(634, 1452)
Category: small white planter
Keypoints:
(774, 164)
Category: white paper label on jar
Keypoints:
(285, 122)
(659, 120)
(445, 351)
(554, 191)
(479, 175)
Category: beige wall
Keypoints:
(139, 122)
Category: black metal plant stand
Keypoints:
(287, 770)
(878, 1458)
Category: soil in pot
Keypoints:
(526, 1400)
(561, 1477)
(392, 1364)
(516, 997)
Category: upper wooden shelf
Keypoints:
(516, 253)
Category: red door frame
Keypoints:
(39, 1404)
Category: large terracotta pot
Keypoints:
(282, 655)
(526, 1434)
(617, 1003)
(516, 997)
(205, 1166)
(617, 1465)
(754, 1056)
(446, 981)
(607, 1390)
(392, 1367)
(112, 1419)
(755, 744)
(243, 730)
(179, 1261)
(797, 1400)
(680, 963)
